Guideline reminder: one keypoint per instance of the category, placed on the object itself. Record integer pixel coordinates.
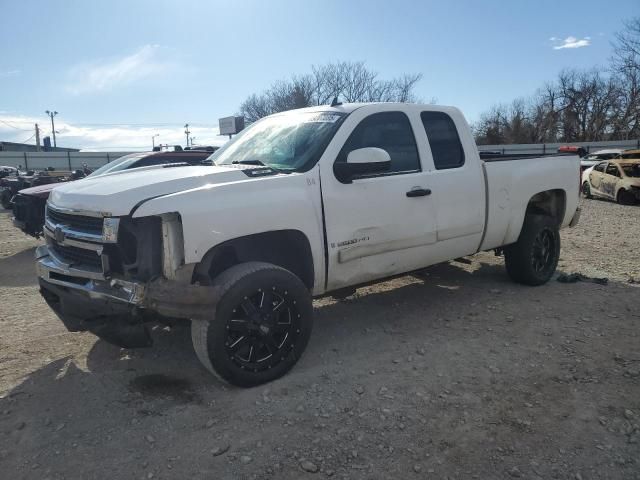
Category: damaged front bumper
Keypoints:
(117, 309)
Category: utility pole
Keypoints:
(153, 141)
(53, 127)
(187, 132)
(37, 138)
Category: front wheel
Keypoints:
(533, 259)
(586, 190)
(261, 325)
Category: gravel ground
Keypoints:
(454, 373)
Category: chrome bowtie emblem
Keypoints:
(58, 235)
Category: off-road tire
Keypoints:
(522, 258)
(236, 285)
(586, 190)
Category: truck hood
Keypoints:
(116, 195)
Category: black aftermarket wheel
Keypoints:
(261, 326)
(533, 259)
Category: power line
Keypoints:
(25, 141)
(17, 128)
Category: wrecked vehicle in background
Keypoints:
(301, 204)
(11, 185)
(7, 171)
(592, 159)
(29, 204)
(617, 180)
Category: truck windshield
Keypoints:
(288, 142)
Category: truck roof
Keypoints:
(350, 107)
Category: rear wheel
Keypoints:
(625, 198)
(261, 325)
(533, 259)
(586, 190)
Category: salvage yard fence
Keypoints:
(57, 160)
(546, 148)
(75, 160)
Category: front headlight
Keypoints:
(110, 229)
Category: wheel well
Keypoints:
(549, 202)
(288, 249)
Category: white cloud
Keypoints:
(9, 73)
(570, 42)
(107, 74)
(16, 128)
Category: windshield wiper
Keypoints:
(248, 162)
(262, 164)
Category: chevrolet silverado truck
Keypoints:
(301, 204)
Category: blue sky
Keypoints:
(155, 65)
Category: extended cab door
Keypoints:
(376, 226)
(457, 182)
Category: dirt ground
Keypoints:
(455, 373)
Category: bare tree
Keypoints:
(626, 67)
(348, 81)
(627, 46)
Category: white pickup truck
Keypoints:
(301, 204)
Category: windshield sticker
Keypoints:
(323, 118)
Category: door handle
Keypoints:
(418, 192)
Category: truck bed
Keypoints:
(511, 186)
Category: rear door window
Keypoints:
(444, 140)
(600, 167)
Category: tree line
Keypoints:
(347, 81)
(593, 105)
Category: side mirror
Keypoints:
(360, 162)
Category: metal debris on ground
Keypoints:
(578, 277)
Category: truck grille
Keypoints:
(77, 256)
(81, 223)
